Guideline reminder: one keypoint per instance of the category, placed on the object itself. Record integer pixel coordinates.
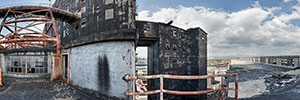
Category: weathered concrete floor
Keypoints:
(255, 74)
(40, 89)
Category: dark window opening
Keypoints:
(83, 22)
(146, 28)
(27, 64)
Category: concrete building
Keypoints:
(287, 61)
(98, 50)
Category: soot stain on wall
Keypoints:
(103, 73)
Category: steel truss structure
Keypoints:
(25, 29)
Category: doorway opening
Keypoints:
(66, 67)
(141, 69)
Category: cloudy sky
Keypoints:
(234, 27)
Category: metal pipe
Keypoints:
(177, 92)
(161, 88)
(56, 32)
(28, 20)
(29, 39)
(178, 77)
(143, 93)
(222, 88)
(236, 87)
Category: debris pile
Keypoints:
(280, 80)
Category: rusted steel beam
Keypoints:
(142, 77)
(28, 20)
(142, 93)
(26, 28)
(21, 45)
(29, 39)
(222, 88)
(48, 29)
(236, 87)
(38, 10)
(9, 29)
(178, 77)
(1, 77)
(4, 19)
(56, 32)
(33, 16)
(27, 33)
(177, 92)
(190, 92)
(32, 36)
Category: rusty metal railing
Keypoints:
(162, 90)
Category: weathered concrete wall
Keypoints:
(101, 20)
(101, 66)
(175, 51)
(2, 58)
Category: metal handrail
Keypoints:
(162, 90)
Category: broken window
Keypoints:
(66, 32)
(39, 63)
(109, 14)
(174, 33)
(83, 10)
(146, 28)
(109, 2)
(26, 64)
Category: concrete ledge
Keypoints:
(26, 75)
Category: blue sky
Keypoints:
(234, 27)
(227, 5)
(19, 2)
(224, 5)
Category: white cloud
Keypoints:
(287, 1)
(250, 31)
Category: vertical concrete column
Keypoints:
(278, 61)
(267, 60)
(49, 62)
(296, 62)
(2, 63)
(258, 59)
